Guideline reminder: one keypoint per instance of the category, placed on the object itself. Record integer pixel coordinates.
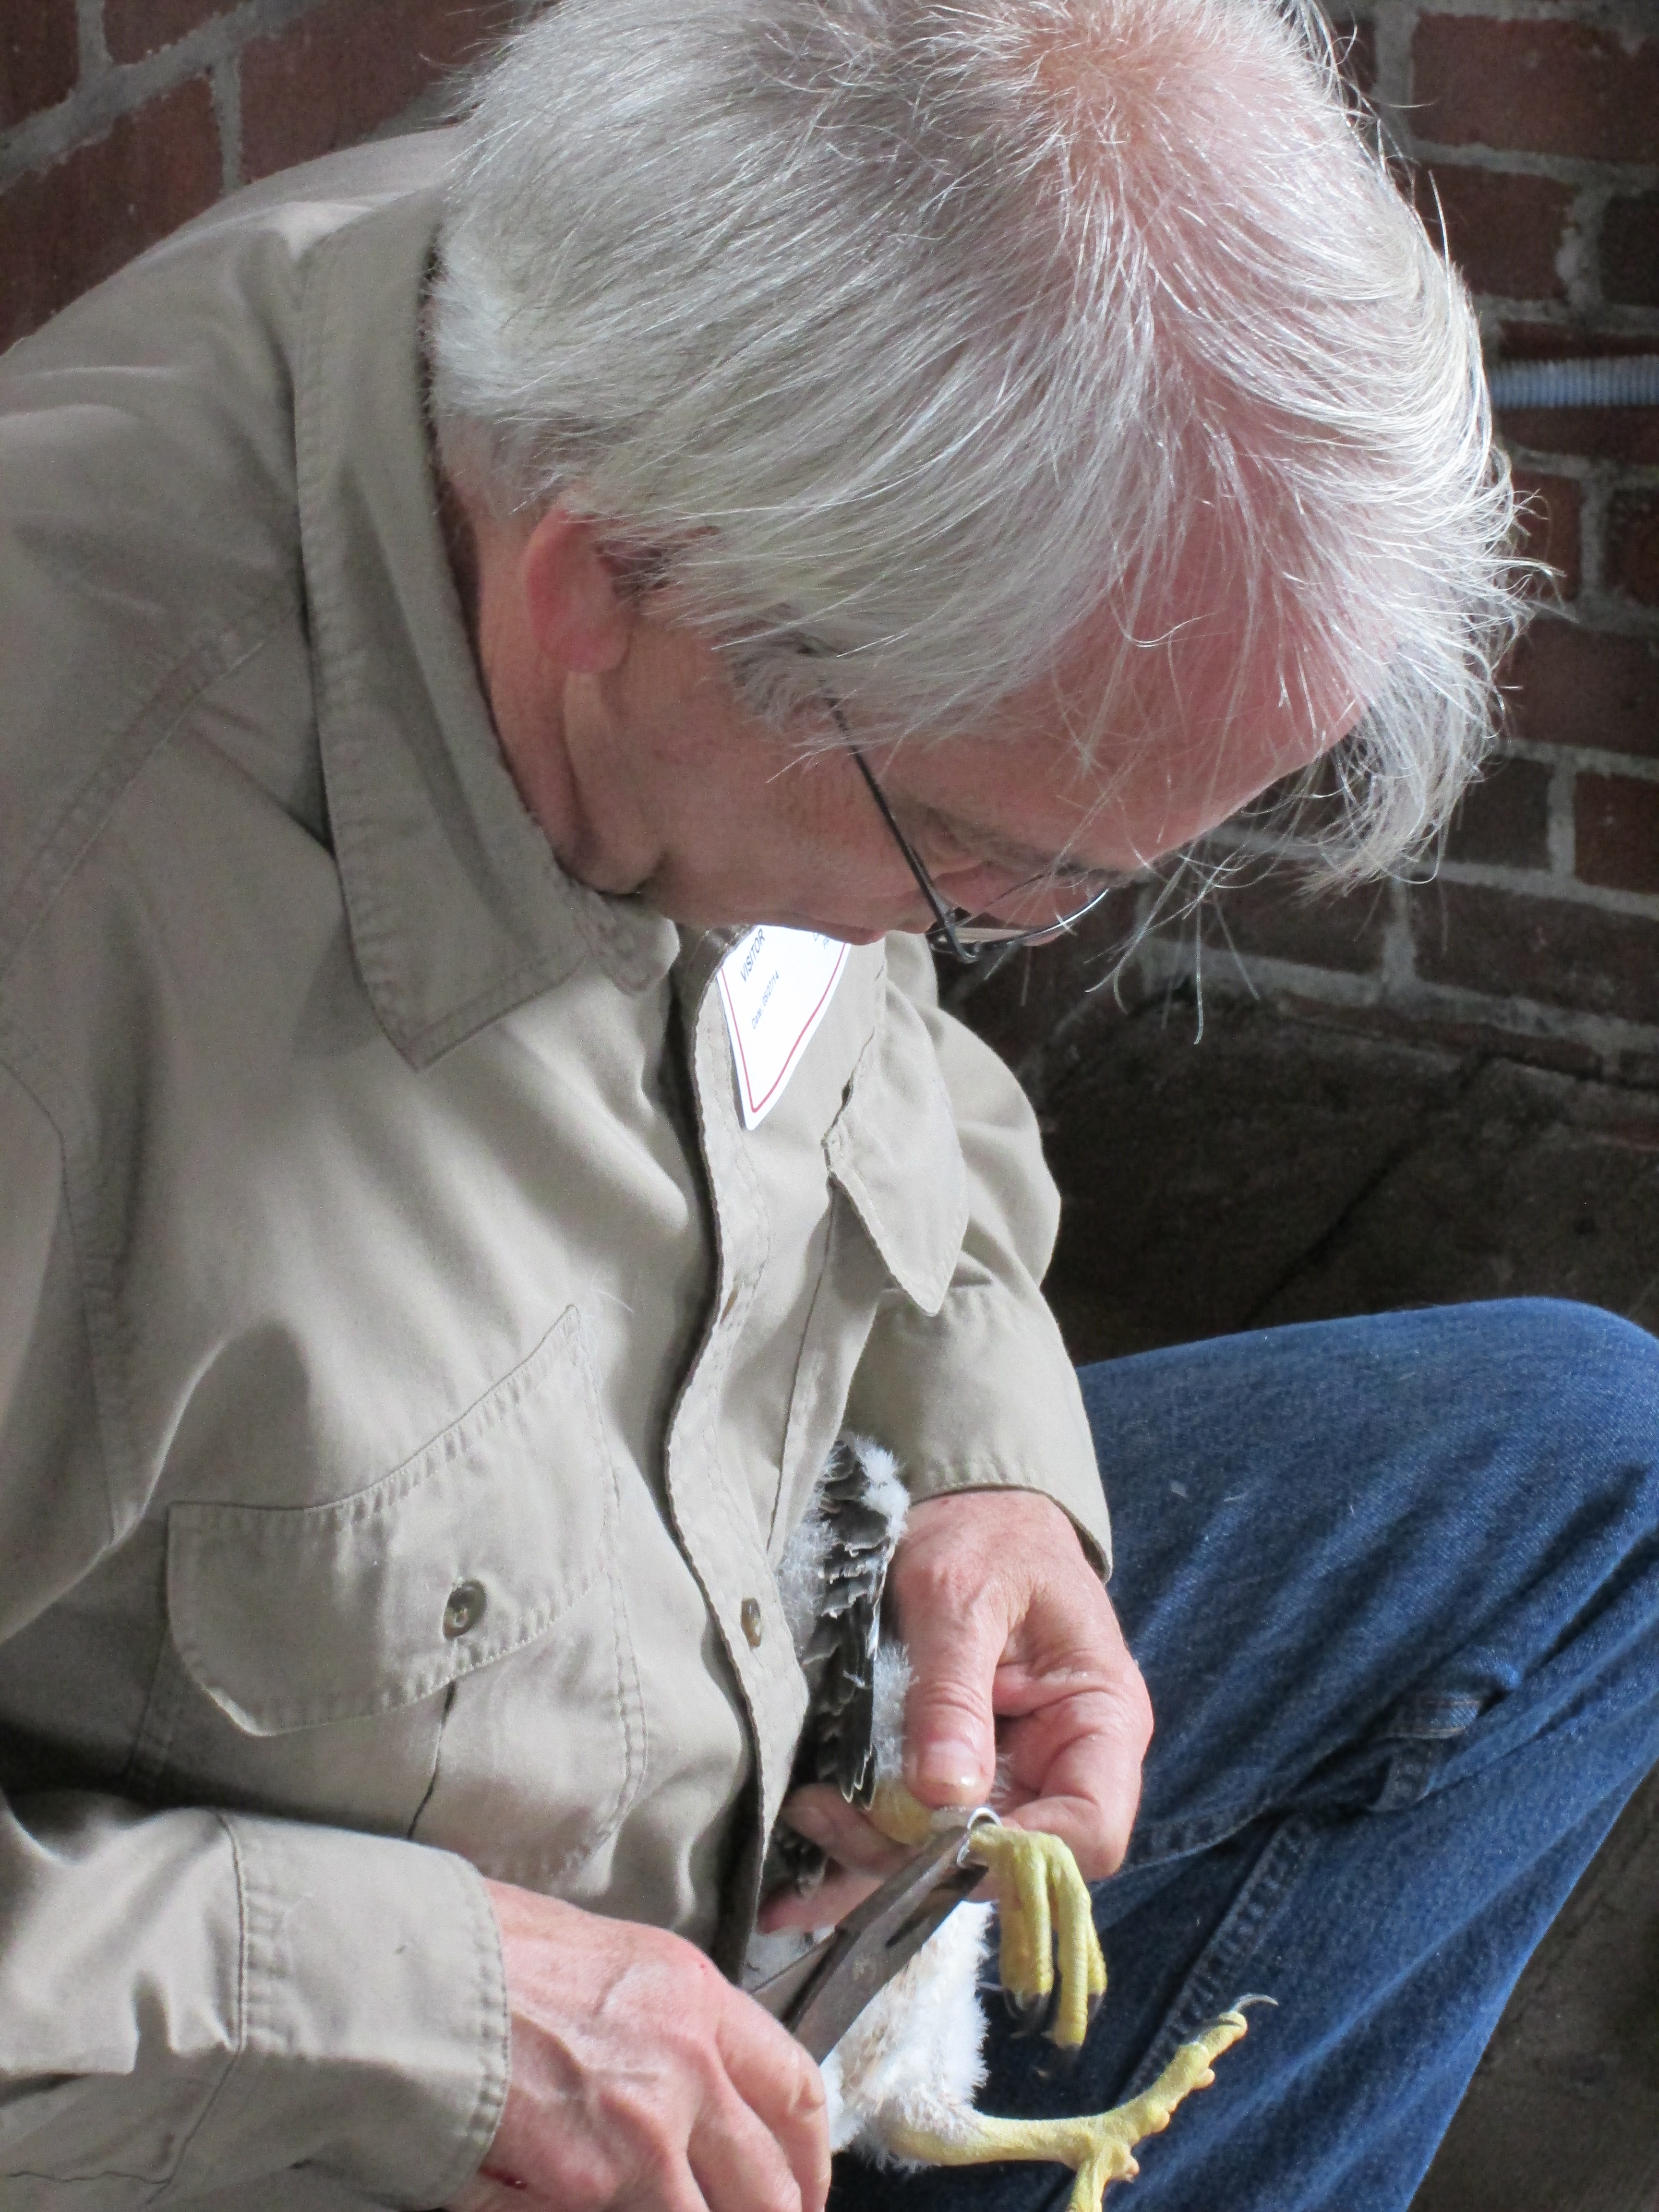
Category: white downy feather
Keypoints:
(913, 2055)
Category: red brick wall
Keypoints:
(1536, 124)
(119, 119)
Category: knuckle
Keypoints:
(971, 1586)
(805, 2106)
(661, 2175)
(777, 2191)
(1138, 1704)
(701, 2063)
(932, 1575)
(938, 1700)
(630, 2115)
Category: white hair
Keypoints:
(914, 340)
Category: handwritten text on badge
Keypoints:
(775, 986)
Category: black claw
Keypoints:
(1030, 2016)
(1066, 2053)
(1054, 2062)
(1091, 2008)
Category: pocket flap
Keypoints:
(894, 1150)
(291, 1616)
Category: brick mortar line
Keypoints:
(1596, 318)
(1608, 614)
(1537, 884)
(1582, 468)
(1605, 614)
(1161, 962)
(1164, 962)
(1612, 319)
(1394, 28)
(1561, 817)
(107, 90)
(1489, 305)
(1593, 14)
(1594, 493)
(1544, 885)
(1581, 170)
(99, 100)
(93, 52)
(226, 79)
(1579, 252)
(1583, 760)
(1396, 961)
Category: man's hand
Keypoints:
(1014, 1649)
(640, 2077)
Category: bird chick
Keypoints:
(902, 2081)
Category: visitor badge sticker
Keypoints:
(775, 986)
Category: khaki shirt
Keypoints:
(409, 1364)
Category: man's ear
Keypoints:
(579, 616)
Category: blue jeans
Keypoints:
(1395, 1586)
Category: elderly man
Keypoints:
(511, 635)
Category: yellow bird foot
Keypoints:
(1044, 1913)
(1099, 2150)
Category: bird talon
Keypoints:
(1049, 1955)
(1030, 2015)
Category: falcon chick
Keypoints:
(902, 2081)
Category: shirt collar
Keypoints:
(458, 909)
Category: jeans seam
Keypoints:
(1159, 1841)
(1213, 1983)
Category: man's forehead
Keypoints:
(1036, 795)
(1028, 801)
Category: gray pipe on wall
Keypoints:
(1619, 380)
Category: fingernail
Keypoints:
(947, 1768)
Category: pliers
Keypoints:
(818, 1996)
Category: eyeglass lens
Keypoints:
(955, 930)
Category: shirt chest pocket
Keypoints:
(893, 1148)
(321, 1649)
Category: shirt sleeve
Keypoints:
(190, 2000)
(983, 1396)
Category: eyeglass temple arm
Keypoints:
(942, 915)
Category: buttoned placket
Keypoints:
(712, 1504)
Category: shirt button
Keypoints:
(466, 1608)
(752, 1626)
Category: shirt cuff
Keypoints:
(375, 2036)
(984, 1396)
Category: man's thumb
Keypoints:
(950, 1736)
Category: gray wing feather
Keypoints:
(850, 1548)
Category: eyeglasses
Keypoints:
(963, 935)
